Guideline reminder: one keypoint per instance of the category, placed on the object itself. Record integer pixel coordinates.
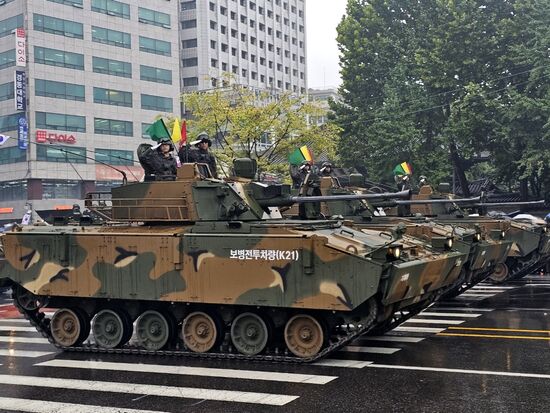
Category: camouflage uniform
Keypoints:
(157, 164)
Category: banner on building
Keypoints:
(20, 85)
(23, 133)
(20, 47)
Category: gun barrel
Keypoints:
(350, 197)
(524, 203)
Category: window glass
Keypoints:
(146, 44)
(111, 67)
(114, 157)
(12, 190)
(113, 127)
(159, 103)
(75, 3)
(112, 8)
(60, 189)
(112, 97)
(59, 90)
(6, 91)
(57, 153)
(60, 58)
(8, 122)
(190, 81)
(111, 37)
(189, 5)
(155, 74)
(58, 121)
(8, 25)
(154, 17)
(7, 59)
(54, 25)
(11, 155)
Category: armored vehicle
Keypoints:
(200, 268)
(485, 251)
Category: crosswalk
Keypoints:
(85, 379)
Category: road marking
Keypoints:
(492, 287)
(537, 285)
(23, 353)
(372, 350)
(419, 329)
(42, 406)
(435, 321)
(494, 336)
(353, 364)
(473, 295)
(461, 371)
(28, 340)
(466, 315)
(149, 390)
(17, 328)
(396, 339)
(460, 309)
(499, 329)
(191, 371)
(14, 320)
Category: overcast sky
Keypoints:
(322, 17)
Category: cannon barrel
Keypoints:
(518, 203)
(288, 201)
(393, 202)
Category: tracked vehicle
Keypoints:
(200, 269)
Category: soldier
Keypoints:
(158, 162)
(326, 169)
(299, 174)
(200, 153)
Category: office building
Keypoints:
(95, 73)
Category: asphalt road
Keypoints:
(488, 350)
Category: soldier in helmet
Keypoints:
(298, 174)
(200, 153)
(326, 169)
(158, 161)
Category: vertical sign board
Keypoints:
(22, 133)
(20, 48)
(20, 85)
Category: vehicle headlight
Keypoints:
(394, 252)
(502, 234)
(545, 229)
(477, 237)
(449, 243)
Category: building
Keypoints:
(322, 97)
(262, 43)
(97, 73)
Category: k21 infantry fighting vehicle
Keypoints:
(195, 265)
(531, 242)
(485, 251)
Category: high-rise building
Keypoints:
(262, 43)
(95, 73)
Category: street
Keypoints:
(486, 350)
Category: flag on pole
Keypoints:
(183, 133)
(176, 131)
(404, 168)
(3, 139)
(158, 130)
(299, 155)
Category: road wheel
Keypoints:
(304, 335)
(110, 329)
(27, 300)
(152, 330)
(200, 332)
(67, 327)
(249, 334)
(500, 274)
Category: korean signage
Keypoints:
(20, 48)
(44, 136)
(20, 85)
(23, 133)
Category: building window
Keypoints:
(54, 57)
(190, 81)
(160, 47)
(155, 74)
(112, 97)
(212, 6)
(159, 103)
(156, 18)
(13, 190)
(63, 189)
(224, 66)
(189, 5)
(59, 90)
(225, 47)
(223, 29)
(233, 51)
(212, 44)
(7, 59)
(213, 25)
(233, 15)
(191, 62)
(213, 63)
(113, 127)
(234, 69)
(111, 67)
(58, 121)
(69, 154)
(189, 43)
(9, 25)
(74, 3)
(223, 11)
(6, 91)
(234, 33)
(114, 157)
(189, 24)
(111, 37)
(54, 25)
(112, 8)
(8, 122)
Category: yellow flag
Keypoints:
(176, 131)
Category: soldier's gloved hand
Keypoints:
(156, 146)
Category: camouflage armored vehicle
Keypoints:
(199, 270)
(531, 243)
(485, 251)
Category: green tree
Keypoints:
(243, 119)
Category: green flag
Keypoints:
(158, 130)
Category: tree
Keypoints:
(243, 120)
(437, 82)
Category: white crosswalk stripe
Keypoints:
(353, 364)
(42, 406)
(371, 350)
(411, 329)
(395, 339)
(149, 389)
(28, 340)
(18, 328)
(416, 320)
(465, 315)
(23, 353)
(477, 310)
(192, 371)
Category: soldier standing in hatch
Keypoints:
(200, 153)
(159, 160)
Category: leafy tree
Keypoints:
(437, 82)
(243, 119)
